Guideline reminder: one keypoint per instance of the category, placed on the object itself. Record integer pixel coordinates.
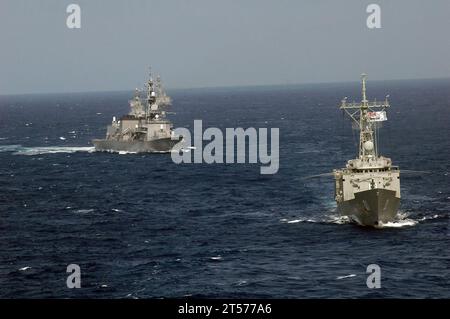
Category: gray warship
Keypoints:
(145, 128)
(367, 190)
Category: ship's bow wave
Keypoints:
(38, 150)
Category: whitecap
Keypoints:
(429, 217)
(338, 219)
(9, 148)
(346, 276)
(301, 221)
(328, 220)
(242, 282)
(24, 268)
(216, 258)
(50, 150)
(397, 224)
(126, 152)
(292, 221)
(84, 211)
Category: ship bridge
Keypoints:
(376, 163)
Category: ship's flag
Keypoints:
(378, 116)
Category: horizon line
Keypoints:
(223, 86)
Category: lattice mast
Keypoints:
(366, 115)
(151, 96)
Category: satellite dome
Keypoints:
(368, 146)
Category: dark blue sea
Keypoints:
(141, 226)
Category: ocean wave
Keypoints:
(330, 219)
(398, 224)
(308, 151)
(9, 148)
(346, 276)
(216, 258)
(403, 220)
(126, 152)
(38, 150)
(294, 221)
(435, 216)
(84, 211)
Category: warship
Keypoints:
(145, 128)
(367, 190)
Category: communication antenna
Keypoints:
(365, 116)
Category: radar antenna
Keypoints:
(366, 115)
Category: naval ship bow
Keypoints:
(368, 189)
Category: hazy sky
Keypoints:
(200, 43)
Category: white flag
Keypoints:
(377, 116)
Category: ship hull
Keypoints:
(162, 145)
(372, 207)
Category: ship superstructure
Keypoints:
(368, 188)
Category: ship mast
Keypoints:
(151, 96)
(366, 115)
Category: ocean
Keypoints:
(141, 226)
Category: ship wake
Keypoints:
(403, 220)
(38, 150)
(329, 219)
